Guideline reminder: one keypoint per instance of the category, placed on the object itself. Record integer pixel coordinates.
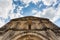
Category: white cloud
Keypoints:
(49, 2)
(57, 14)
(17, 15)
(52, 14)
(13, 15)
(58, 11)
(35, 1)
(34, 11)
(5, 6)
(3, 3)
(38, 14)
(49, 13)
(1, 23)
(28, 1)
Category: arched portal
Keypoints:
(29, 37)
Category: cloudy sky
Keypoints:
(10, 9)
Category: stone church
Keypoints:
(30, 28)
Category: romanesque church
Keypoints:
(30, 28)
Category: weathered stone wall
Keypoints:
(43, 35)
(30, 28)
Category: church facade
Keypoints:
(30, 28)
